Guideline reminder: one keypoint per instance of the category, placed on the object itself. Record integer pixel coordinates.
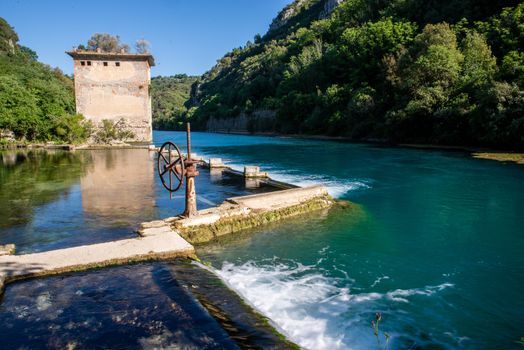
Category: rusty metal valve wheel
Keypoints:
(171, 166)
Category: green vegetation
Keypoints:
(521, 341)
(234, 223)
(111, 131)
(36, 101)
(29, 179)
(441, 72)
(105, 43)
(169, 98)
(111, 43)
(501, 157)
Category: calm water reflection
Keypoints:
(50, 200)
(118, 187)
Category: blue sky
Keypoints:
(187, 36)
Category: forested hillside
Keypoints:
(36, 101)
(443, 72)
(169, 96)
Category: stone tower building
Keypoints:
(115, 86)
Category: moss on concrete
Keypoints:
(501, 157)
(252, 330)
(7, 249)
(205, 233)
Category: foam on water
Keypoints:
(336, 187)
(315, 311)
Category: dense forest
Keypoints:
(170, 97)
(36, 101)
(441, 72)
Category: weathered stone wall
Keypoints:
(115, 92)
(258, 121)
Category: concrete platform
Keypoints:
(159, 244)
(240, 213)
(171, 237)
(280, 199)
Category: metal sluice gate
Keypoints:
(173, 168)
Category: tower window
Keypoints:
(117, 64)
(88, 63)
(105, 64)
(82, 63)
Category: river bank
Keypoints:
(476, 152)
(73, 147)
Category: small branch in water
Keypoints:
(375, 325)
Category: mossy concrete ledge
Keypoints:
(239, 213)
(160, 243)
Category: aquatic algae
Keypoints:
(226, 225)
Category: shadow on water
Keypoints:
(127, 307)
(154, 305)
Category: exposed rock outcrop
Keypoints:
(329, 6)
(258, 121)
(288, 12)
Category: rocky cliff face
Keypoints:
(258, 121)
(329, 6)
(287, 13)
(298, 5)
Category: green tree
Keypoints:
(28, 53)
(36, 101)
(447, 71)
(513, 66)
(479, 65)
(169, 96)
(142, 46)
(106, 43)
(18, 108)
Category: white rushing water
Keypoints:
(336, 187)
(315, 311)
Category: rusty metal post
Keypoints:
(188, 135)
(191, 172)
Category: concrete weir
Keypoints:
(162, 245)
(164, 239)
(239, 213)
(173, 237)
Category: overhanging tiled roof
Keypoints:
(93, 55)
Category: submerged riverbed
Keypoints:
(435, 244)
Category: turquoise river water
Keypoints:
(436, 245)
